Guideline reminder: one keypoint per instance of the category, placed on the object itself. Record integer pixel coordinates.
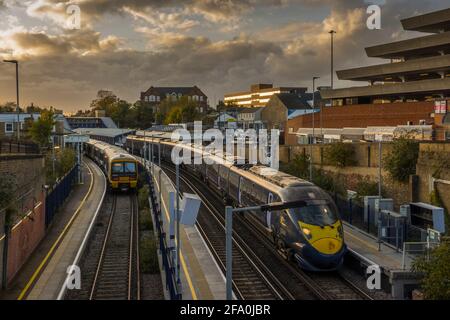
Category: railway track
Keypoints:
(296, 283)
(252, 278)
(110, 264)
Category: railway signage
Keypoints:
(189, 209)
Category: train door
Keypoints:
(269, 213)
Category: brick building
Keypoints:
(259, 95)
(156, 95)
(412, 88)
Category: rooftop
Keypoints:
(425, 45)
(105, 132)
(433, 22)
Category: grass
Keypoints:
(149, 255)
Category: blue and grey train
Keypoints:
(311, 234)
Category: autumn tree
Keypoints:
(436, 270)
(41, 129)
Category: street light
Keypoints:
(332, 32)
(314, 128)
(17, 95)
(229, 233)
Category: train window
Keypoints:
(315, 214)
(130, 167)
(117, 168)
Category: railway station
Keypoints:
(341, 198)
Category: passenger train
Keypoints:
(121, 168)
(312, 234)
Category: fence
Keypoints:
(56, 197)
(161, 190)
(393, 230)
(17, 147)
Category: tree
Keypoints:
(174, 116)
(41, 129)
(401, 161)
(8, 107)
(436, 270)
(143, 113)
(340, 154)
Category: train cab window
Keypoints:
(117, 168)
(315, 214)
(129, 167)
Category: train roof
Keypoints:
(279, 178)
(264, 173)
(111, 151)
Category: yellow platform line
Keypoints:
(56, 244)
(183, 263)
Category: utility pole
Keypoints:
(314, 131)
(332, 32)
(17, 96)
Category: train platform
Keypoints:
(201, 277)
(368, 251)
(45, 276)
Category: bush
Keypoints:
(149, 255)
(401, 162)
(145, 220)
(366, 187)
(299, 166)
(340, 154)
(143, 195)
(435, 270)
(327, 182)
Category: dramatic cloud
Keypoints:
(181, 43)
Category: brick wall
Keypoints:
(27, 232)
(434, 160)
(361, 116)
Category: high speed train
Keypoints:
(311, 234)
(121, 168)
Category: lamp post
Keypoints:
(229, 234)
(332, 32)
(17, 95)
(314, 129)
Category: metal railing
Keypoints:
(18, 147)
(159, 205)
(58, 194)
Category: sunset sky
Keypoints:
(221, 46)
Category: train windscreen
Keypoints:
(123, 167)
(315, 214)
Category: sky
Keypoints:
(221, 46)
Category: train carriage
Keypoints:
(311, 234)
(120, 167)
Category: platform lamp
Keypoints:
(17, 95)
(313, 107)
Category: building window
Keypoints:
(158, 98)
(195, 98)
(201, 98)
(9, 127)
(152, 98)
(146, 98)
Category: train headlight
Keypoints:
(307, 233)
